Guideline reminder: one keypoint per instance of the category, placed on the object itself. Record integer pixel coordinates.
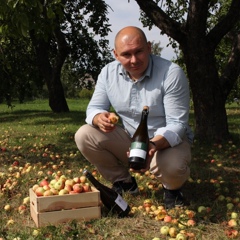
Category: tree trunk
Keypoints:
(52, 72)
(208, 97)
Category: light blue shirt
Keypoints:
(164, 88)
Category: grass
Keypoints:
(30, 130)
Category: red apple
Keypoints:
(77, 188)
(44, 182)
(167, 219)
(86, 187)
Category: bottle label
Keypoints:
(138, 149)
(121, 202)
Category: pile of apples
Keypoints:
(61, 186)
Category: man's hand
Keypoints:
(151, 150)
(105, 121)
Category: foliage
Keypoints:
(86, 93)
(156, 49)
(26, 23)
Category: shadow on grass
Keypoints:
(76, 117)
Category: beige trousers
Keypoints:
(108, 153)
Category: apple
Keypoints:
(164, 230)
(59, 185)
(7, 207)
(35, 187)
(113, 118)
(201, 209)
(172, 232)
(167, 219)
(44, 182)
(26, 200)
(76, 180)
(22, 209)
(181, 236)
(52, 183)
(46, 187)
(48, 193)
(77, 188)
(39, 191)
(63, 192)
(230, 206)
(221, 198)
(191, 223)
(86, 187)
(68, 187)
(190, 213)
(35, 232)
(83, 179)
(234, 215)
(69, 182)
(232, 223)
(54, 191)
(147, 203)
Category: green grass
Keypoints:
(29, 130)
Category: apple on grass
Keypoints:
(164, 230)
(232, 223)
(173, 232)
(181, 236)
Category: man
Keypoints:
(136, 79)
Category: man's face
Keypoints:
(133, 54)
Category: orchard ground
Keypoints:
(36, 144)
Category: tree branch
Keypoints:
(225, 25)
(162, 20)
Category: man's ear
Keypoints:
(115, 54)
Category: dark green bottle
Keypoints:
(140, 142)
(110, 199)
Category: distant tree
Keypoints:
(60, 31)
(156, 49)
(190, 24)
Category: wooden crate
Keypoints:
(63, 208)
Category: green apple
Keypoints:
(164, 230)
(202, 209)
(181, 236)
(234, 215)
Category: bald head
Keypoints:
(127, 34)
(132, 50)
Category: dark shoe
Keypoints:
(130, 187)
(173, 198)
